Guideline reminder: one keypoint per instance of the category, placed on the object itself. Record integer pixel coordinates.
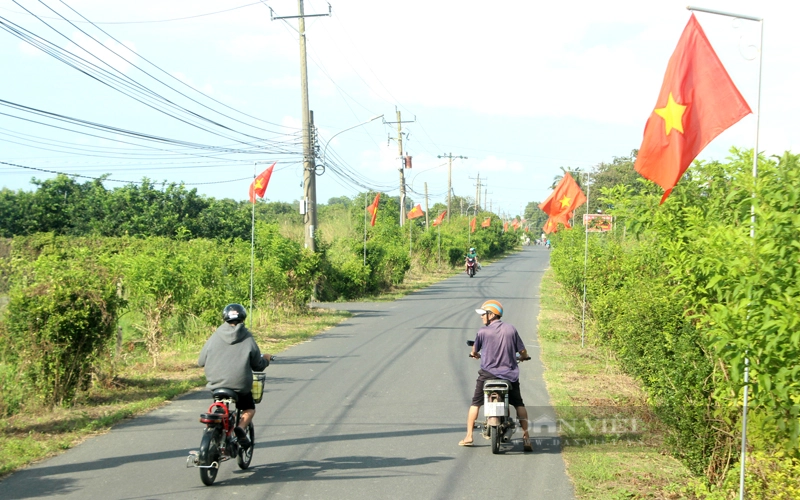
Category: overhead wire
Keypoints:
(175, 78)
(115, 79)
(159, 20)
(105, 179)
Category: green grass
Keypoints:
(585, 384)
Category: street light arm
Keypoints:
(325, 150)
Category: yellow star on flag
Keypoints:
(259, 183)
(565, 201)
(672, 114)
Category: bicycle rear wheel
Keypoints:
(209, 453)
(245, 456)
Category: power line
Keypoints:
(116, 180)
(153, 21)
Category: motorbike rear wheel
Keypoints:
(245, 456)
(495, 436)
(209, 453)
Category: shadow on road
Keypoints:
(334, 468)
(365, 435)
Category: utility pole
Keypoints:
(309, 165)
(402, 165)
(450, 157)
(402, 170)
(477, 191)
(427, 226)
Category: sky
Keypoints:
(205, 92)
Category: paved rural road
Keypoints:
(373, 408)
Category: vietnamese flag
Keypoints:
(415, 212)
(439, 219)
(505, 227)
(472, 224)
(550, 226)
(487, 222)
(697, 102)
(566, 197)
(373, 209)
(515, 224)
(259, 184)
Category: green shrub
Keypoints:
(61, 316)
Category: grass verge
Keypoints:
(612, 444)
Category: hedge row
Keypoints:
(683, 294)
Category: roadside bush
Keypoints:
(61, 316)
(683, 295)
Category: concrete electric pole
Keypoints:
(450, 157)
(309, 165)
(399, 123)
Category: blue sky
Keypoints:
(520, 88)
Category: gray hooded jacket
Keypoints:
(230, 356)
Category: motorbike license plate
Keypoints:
(494, 409)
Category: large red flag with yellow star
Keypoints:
(259, 184)
(565, 198)
(698, 101)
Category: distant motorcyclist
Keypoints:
(472, 254)
(230, 356)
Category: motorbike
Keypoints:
(498, 426)
(471, 266)
(219, 442)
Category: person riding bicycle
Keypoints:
(229, 357)
(472, 254)
(497, 345)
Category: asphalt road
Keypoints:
(373, 408)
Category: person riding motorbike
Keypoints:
(472, 254)
(229, 357)
(496, 345)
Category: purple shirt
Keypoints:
(499, 344)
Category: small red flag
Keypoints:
(439, 219)
(697, 102)
(472, 224)
(515, 224)
(566, 197)
(259, 184)
(373, 209)
(505, 226)
(415, 212)
(486, 222)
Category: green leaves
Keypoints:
(685, 294)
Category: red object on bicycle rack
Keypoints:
(212, 416)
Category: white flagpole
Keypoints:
(365, 227)
(752, 223)
(252, 243)
(585, 262)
